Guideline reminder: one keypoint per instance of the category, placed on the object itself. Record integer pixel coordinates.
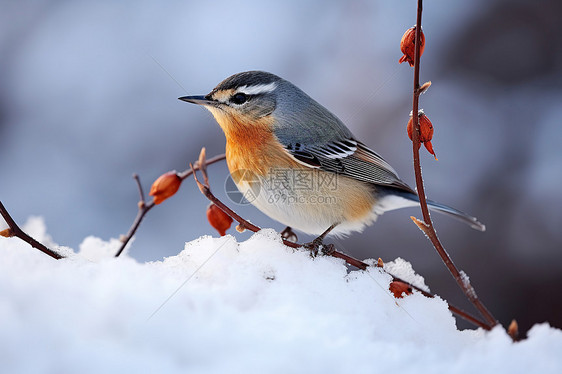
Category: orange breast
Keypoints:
(254, 147)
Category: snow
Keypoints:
(3, 224)
(223, 306)
(466, 282)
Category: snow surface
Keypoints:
(221, 306)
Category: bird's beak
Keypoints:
(199, 100)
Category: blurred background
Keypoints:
(88, 96)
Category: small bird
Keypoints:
(300, 164)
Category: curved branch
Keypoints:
(14, 230)
(427, 225)
(145, 207)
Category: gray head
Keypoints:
(256, 97)
(251, 94)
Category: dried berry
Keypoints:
(7, 233)
(218, 219)
(426, 131)
(513, 330)
(398, 288)
(408, 45)
(165, 186)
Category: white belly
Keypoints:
(312, 210)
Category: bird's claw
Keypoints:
(289, 234)
(317, 245)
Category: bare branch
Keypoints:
(17, 232)
(139, 186)
(427, 225)
(144, 207)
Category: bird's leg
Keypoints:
(318, 243)
(289, 234)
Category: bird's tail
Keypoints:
(441, 208)
(455, 213)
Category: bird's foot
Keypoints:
(328, 249)
(289, 234)
(313, 246)
(317, 245)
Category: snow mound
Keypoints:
(221, 306)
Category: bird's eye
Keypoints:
(239, 98)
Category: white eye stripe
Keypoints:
(257, 89)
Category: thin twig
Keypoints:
(186, 173)
(144, 207)
(17, 232)
(139, 186)
(206, 191)
(427, 225)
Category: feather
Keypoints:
(348, 157)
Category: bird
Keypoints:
(300, 164)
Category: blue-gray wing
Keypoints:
(318, 139)
(348, 157)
